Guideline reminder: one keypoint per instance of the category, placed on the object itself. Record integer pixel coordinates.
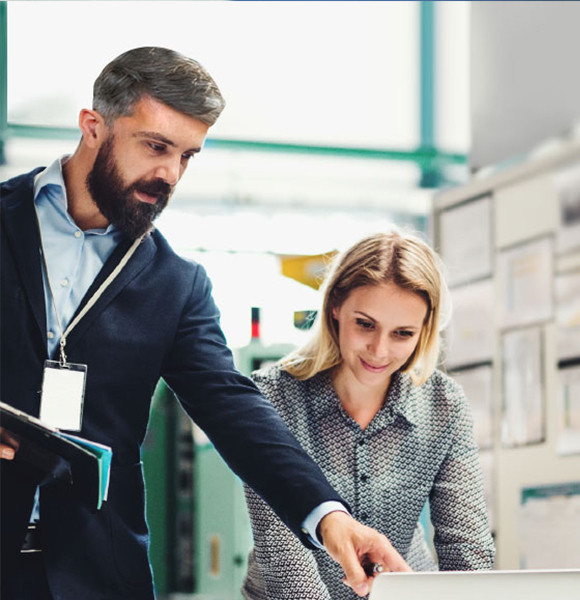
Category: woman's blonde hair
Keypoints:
(394, 257)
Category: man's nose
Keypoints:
(170, 170)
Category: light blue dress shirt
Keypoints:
(74, 258)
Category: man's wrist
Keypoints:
(311, 525)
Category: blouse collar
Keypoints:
(403, 399)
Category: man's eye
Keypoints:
(156, 147)
(187, 155)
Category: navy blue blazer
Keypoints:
(157, 319)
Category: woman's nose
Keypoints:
(380, 346)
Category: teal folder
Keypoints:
(83, 464)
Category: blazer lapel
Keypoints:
(140, 259)
(21, 229)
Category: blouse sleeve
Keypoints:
(458, 512)
(286, 570)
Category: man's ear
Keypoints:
(92, 126)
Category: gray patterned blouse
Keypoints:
(419, 446)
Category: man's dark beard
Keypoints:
(117, 202)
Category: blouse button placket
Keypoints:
(363, 477)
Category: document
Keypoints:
(567, 292)
(523, 396)
(550, 527)
(568, 441)
(466, 250)
(525, 280)
(477, 383)
(83, 464)
(470, 337)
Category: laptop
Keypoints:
(478, 585)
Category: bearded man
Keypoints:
(89, 285)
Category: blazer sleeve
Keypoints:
(458, 511)
(286, 570)
(243, 426)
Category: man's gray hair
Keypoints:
(165, 75)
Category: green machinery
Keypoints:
(200, 530)
(168, 455)
(223, 535)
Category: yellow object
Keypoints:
(309, 269)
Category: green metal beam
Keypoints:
(431, 175)
(426, 156)
(423, 156)
(427, 73)
(41, 132)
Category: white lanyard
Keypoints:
(93, 299)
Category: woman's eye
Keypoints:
(405, 333)
(364, 324)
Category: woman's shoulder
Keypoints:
(441, 380)
(436, 382)
(450, 394)
(436, 403)
(271, 375)
(442, 389)
(277, 384)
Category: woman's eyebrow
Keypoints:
(360, 312)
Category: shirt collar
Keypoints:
(403, 399)
(321, 390)
(52, 175)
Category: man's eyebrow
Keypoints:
(160, 138)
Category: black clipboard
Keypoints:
(67, 459)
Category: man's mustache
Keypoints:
(156, 187)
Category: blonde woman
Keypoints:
(388, 429)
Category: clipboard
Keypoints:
(80, 463)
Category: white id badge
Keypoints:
(63, 393)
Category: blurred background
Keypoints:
(458, 120)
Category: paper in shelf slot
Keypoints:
(83, 464)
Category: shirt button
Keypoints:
(364, 516)
(361, 442)
(364, 478)
(50, 335)
(78, 234)
(64, 282)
